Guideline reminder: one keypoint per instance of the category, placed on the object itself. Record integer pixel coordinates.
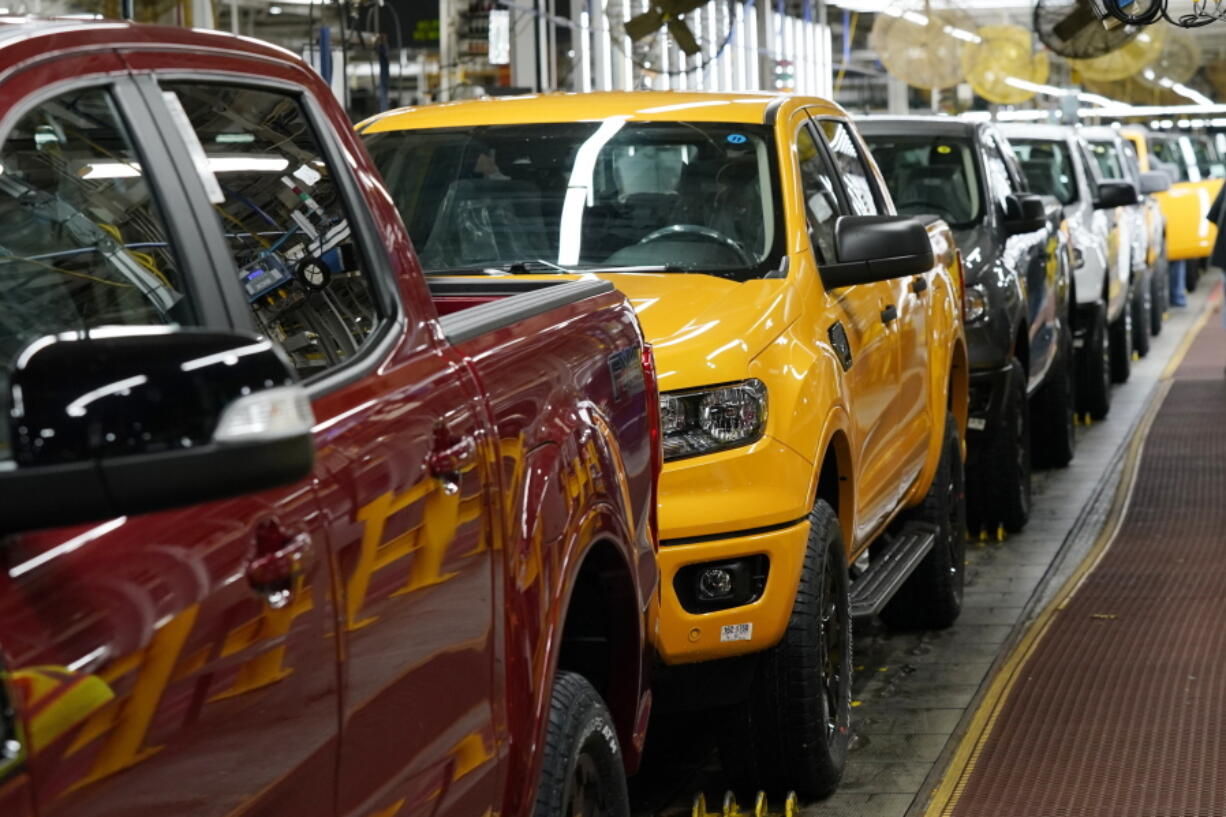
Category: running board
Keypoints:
(874, 588)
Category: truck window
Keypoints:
(84, 244)
(1000, 183)
(612, 194)
(1048, 167)
(821, 202)
(861, 189)
(930, 174)
(1107, 160)
(1168, 150)
(285, 221)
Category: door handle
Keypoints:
(448, 461)
(889, 314)
(919, 284)
(279, 561)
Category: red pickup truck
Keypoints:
(284, 530)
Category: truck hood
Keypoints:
(706, 329)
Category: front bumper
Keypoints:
(685, 637)
(988, 390)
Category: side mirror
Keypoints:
(1154, 181)
(126, 420)
(876, 248)
(1024, 213)
(1116, 194)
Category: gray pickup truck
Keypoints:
(1017, 262)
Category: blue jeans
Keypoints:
(1178, 271)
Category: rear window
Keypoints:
(1048, 167)
(930, 175)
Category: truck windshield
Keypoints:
(667, 196)
(930, 174)
(1048, 167)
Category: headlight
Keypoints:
(974, 303)
(701, 421)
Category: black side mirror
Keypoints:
(876, 248)
(1116, 194)
(1024, 213)
(126, 420)
(1154, 181)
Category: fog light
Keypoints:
(710, 586)
(714, 583)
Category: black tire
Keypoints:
(931, 598)
(1159, 286)
(1141, 306)
(998, 487)
(1120, 340)
(582, 771)
(1054, 409)
(1094, 364)
(793, 731)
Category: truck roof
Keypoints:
(46, 36)
(1100, 133)
(746, 107)
(1053, 133)
(931, 125)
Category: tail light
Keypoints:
(652, 392)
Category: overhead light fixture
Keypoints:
(274, 10)
(247, 164)
(109, 170)
(218, 164)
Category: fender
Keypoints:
(948, 382)
(598, 526)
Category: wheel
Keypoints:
(931, 598)
(1094, 365)
(582, 773)
(1053, 410)
(1120, 339)
(1158, 285)
(1141, 304)
(792, 733)
(999, 486)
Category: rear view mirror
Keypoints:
(1115, 194)
(1154, 181)
(1024, 213)
(876, 248)
(127, 420)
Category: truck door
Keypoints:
(1035, 256)
(402, 442)
(152, 666)
(867, 314)
(907, 420)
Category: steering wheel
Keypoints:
(700, 231)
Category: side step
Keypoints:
(873, 589)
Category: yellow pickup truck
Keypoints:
(810, 351)
(1199, 171)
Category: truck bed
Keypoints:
(469, 307)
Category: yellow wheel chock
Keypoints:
(791, 806)
(1000, 533)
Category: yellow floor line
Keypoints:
(946, 795)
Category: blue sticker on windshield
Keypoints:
(737, 138)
